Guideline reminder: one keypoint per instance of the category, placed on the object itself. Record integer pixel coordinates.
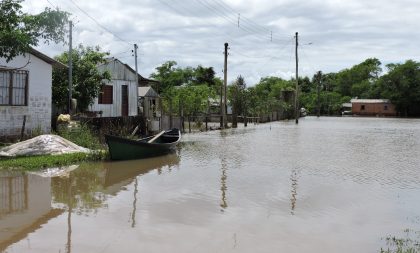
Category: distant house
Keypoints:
(372, 107)
(26, 92)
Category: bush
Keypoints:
(81, 135)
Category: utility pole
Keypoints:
(70, 65)
(319, 74)
(297, 83)
(225, 88)
(137, 76)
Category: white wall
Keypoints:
(120, 75)
(38, 110)
(114, 109)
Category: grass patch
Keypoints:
(408, 243)
(29, 163)
(82, 136)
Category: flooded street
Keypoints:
(325, 185)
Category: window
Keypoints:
(385, 107)
(362, 108)
(13, 87)
(106, 94)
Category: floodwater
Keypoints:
(325, 185)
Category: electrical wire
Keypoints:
(103, 27)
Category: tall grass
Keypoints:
(81, 135)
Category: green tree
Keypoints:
(359, 80)
(203, 75)
(87, 79)
(169, 76)
(20, 31)
(402, 85)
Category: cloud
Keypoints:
(192, 32)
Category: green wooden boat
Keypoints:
(127, 149)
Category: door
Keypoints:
(124, 100)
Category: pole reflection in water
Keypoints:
(223, 187)
(294, 178)
(133, 214)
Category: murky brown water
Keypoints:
(326, 185)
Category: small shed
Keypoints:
(149, 101)
(372, 107)
(26, 93)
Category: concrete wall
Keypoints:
(38, 110)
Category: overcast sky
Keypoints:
(333, 34)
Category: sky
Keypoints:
(333, 35)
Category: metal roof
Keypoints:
(147, 92)
(47, 59)
(370, 101)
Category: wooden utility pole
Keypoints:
(297, 111)
(135, 64)
(137, 76)
(225, 88)
(70, 66)
(221, 105)
(319, 74)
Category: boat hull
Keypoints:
(126, 149)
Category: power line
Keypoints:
(256, 26)
(103, 27)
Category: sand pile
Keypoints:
(42, 145)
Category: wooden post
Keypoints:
(22, 132)
(207, 114)
(170, 114)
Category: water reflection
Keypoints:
(223, 186)
(27, 200)
(293, 199)
(25, 205)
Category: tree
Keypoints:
(168, 76)
(203, 75)
(359, 80)
(20, 31)
(237, 97)
(87, 79)
(402, 86)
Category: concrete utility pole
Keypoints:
(70, 65)
(225, 88)
(297, 111)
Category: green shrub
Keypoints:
(81, 135)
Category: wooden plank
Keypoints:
(156, 136)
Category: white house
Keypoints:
(25, 92)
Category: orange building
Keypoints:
(372, 107)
